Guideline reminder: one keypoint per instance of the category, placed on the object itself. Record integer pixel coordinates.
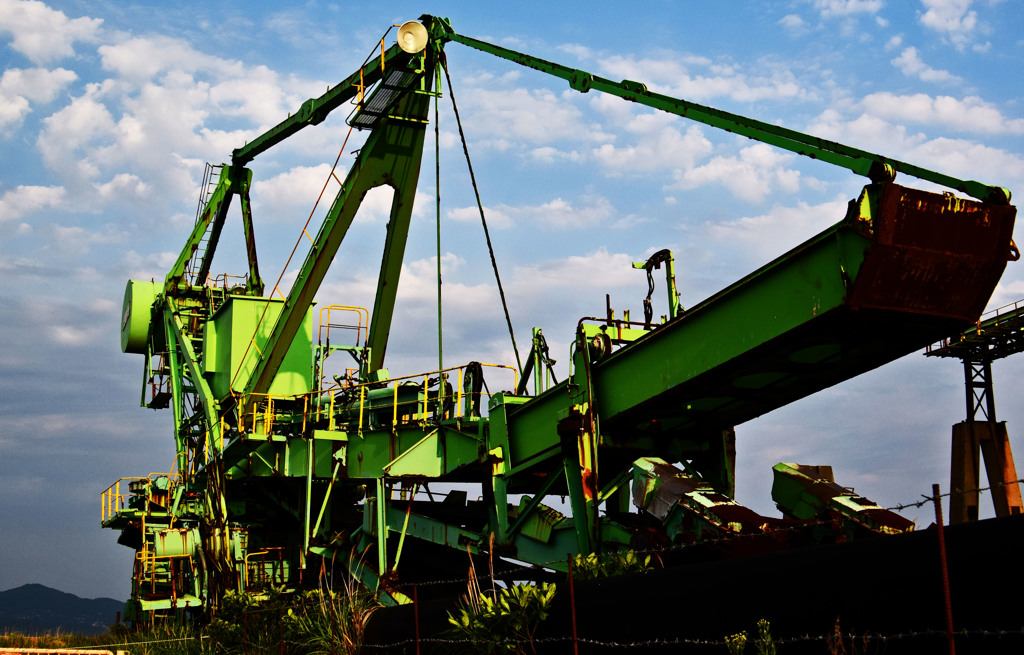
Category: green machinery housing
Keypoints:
(282, 468)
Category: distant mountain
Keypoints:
(34, 609)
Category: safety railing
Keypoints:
(227, 281)
(328, 333)
(327, 325)
(1011, 314)
(263, 572)
(161, 575)
(385, 404)
(112, 500)
(264, 414)
(409, 399)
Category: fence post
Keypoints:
(416, 614)
(572, 607)
(945, 571)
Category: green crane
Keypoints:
(280, 469)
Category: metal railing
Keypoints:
(112, 500)
(258, 575)
(161, 573)
(412, 398)
(991, 318)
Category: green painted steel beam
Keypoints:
(902, 268)
(551, 552)
(190, 364)
(437, 454)
(859, 161)
(314, 110)
(413, 452)
(876, 286)
(255, 281)
(434, 530)
(233, 180)
(391, 156)
(177, 399)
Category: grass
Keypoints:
(163, 640)
(311, 623)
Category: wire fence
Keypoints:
(264, 631)
(203, 643)
(961, 492)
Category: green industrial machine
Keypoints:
(285, 472)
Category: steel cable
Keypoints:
(483, 219)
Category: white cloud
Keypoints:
(970, 160)
(123, 186)
(1006, 293)
(969, 114)
(167, 108)
(561, 214)
(577, 50)
(27, 199)
(700, 78)
(298, 187)
(228, 87)
(557, 213)
(751, 176)
(865, 131)
(910, 64)
(68, 132)
(953, 19)
(416, 305)
(793, 23)
(512, 115)
(260, 95)
(957, 157)
(77, 240)
(153, 266)
(12, 108)
(419, 285)
(549, 155)
(75, 335)
(497, 217)
(19, 87)
(43, 34)
(598, 270)
(842, 8)
(658, 145)
(143, 58)
(764, 236)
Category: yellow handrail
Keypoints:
(112, 500)
(245, 573)
(248, 565)
(359, 311)
(263, 412)
(147, 561)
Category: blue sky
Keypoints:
(109, 110)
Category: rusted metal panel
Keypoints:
(932, 254)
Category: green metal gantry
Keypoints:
(281, 468)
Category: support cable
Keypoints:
(437, 199)
(480, 206)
